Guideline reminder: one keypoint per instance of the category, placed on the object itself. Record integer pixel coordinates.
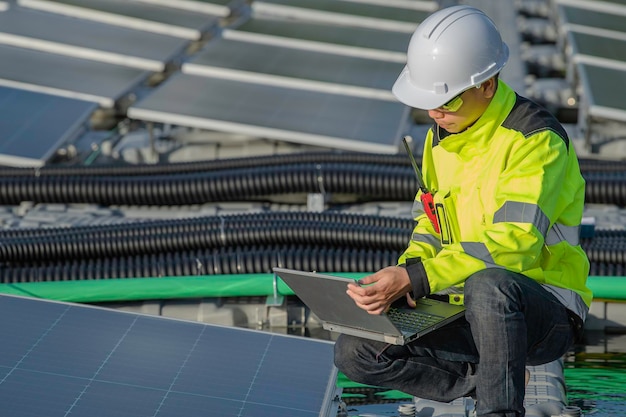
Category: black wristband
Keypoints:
(417, 275)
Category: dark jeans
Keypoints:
(510, 322)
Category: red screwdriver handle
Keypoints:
(429, 208)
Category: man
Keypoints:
(510, 196)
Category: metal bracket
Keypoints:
(276, 299)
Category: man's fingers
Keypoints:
(363, 300)
(369, 279)
(362, 291)
(375, 308)
(410, 300)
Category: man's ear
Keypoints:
(489, 87)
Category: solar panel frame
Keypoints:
(300, 116)
(62, 359)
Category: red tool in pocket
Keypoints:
(426, 197)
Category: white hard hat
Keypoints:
(450, 51)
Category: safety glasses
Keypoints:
(455, 104)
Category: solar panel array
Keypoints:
(323, 95)
(61, 359)
(81, 55)
(594, 35)
(52, 120)
(115, 53)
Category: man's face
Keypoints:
(475, 101)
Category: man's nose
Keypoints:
(435, 114)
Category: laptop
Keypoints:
(326, 296)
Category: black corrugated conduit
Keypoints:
(117, 251)
(240, 260)
(606, 188)
(589, 165)
(123, 169)
(378, 182)
(606, 247)
(603, 269)
(366, 178)
(230, 260)
(200, 223)
(120, 243)
(209, 165)
(371, 181)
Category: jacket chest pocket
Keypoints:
(460, 215)
(447, 216)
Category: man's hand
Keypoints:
(387, 285)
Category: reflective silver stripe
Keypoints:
(570, 299)
(559, 233)
(514, 211)
(428, 239)
(451, 290)
(417, 209)
(480, 251)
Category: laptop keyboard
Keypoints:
(409, 320)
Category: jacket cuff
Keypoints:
(417, 275)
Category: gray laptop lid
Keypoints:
(326, 296)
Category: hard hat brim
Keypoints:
(407, 93)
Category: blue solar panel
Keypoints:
(303, 33)
(35, 124)
(60, 359)
(134, 14)
(254, 60)
(292, 114)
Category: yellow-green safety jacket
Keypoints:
(509, 194)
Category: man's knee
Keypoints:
(490, 284)
(353, 358)
(487, 279)
(492, 290)
(346, 348)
